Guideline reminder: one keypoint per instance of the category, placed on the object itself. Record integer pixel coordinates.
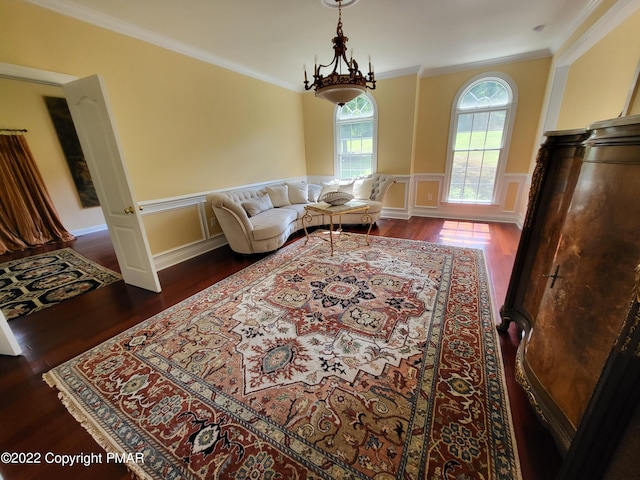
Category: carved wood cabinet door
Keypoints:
(589, 282)
(563, 175)
(552, 185)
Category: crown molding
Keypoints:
(84, 14)
(613, 17)
(432, 72)
(579, 20)
(398, 73)
(87, 15)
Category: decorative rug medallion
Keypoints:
(380, 362)
(33, 283)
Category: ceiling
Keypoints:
(273, 39)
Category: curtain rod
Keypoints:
(13, 130)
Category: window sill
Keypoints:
(470, 204)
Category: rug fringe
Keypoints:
(98, 435)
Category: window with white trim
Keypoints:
(356, 132)
(481, 127)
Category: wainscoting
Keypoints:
(426, 200)
(181, 228)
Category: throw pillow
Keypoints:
(336, 187)
(346, 187)
(298, 192)
(362, 188)
(336, 198)
(314, 192)
(257, 205)
(279, 195)
(326, 188)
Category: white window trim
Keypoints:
(499, 185)
(336, 136)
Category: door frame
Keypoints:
(34, 75)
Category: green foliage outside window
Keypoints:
(479, 139)
(356, 138)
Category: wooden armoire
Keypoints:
(575, 289)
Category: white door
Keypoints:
(91, 115)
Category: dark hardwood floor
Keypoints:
(32, 418)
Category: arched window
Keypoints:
(482, 119)
(356, 138)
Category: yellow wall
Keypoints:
(437, 94)
(395, 99)
(179, 226)
(599, 81)
(427, 193)
(396, 196)
(414, 115)
(188, 127)
(511, 196)
(185, 126)
(415, 112)
(318, 135)
(23, 107)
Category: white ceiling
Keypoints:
(272, 39)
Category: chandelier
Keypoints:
(340, 87)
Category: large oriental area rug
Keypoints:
(381, 362)
(39, 281)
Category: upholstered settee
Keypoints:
(262, 219)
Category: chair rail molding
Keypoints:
(411, 207)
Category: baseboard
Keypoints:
(397, 213)
(460, 214)
(187, 252)
(85, 231)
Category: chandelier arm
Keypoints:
(332, 62)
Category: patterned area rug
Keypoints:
(381, 362)
(33, 283)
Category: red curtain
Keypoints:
(27, 215)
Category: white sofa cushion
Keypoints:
(279, 195)
(327, 188)
(269, 230)
(272, 222)
(257, 205)
(298, 208)
(298, 192)
(314, 192)
(346, 187)
(336, 187)
(362, 188)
